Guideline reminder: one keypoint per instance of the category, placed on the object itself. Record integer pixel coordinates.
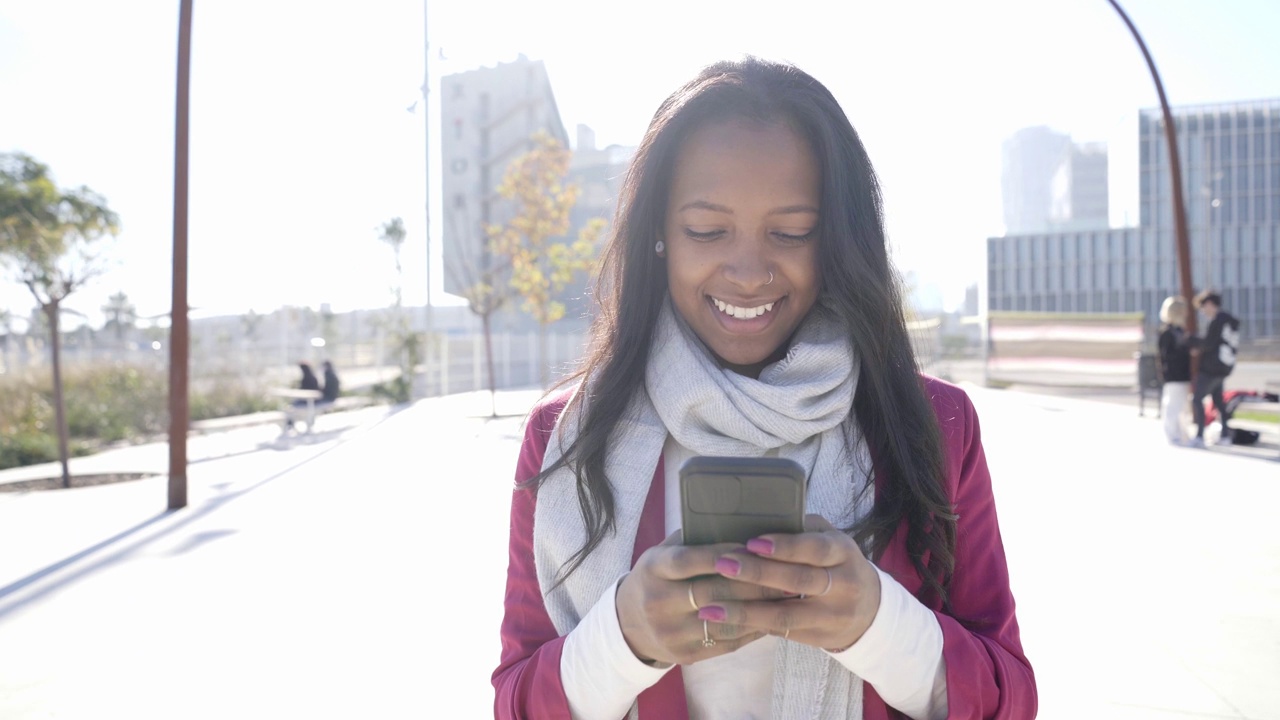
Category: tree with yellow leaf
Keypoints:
(541, 260)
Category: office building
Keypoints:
(1049, 183)
(1230, 158)
(1081, 192)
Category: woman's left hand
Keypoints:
(837, 589)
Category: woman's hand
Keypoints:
(656, 603)
(834, 591)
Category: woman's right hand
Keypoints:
(659, 622)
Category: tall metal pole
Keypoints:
(1175, 172)
(426, 156)
(179, 333)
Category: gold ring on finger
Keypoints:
(693, 602)
(706, 636)
(827, 589)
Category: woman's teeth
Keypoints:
(742, 313)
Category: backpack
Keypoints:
(1234, 399)
(1244, 437)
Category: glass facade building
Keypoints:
(1230, 155)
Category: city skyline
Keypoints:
(1230, 172)
(302, 146)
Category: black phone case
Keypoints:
(734, 499)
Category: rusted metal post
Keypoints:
(1175, 172)
(179, 331)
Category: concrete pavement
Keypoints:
(360, 572)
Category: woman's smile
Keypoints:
(743, 316)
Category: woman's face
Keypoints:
(743, 208)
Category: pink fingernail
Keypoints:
(728, 566)
(714, 613)
(760, 546)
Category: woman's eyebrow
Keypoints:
(791, 209)
(788, 210)
(704, 205)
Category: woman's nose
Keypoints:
(749, 272)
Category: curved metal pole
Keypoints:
(1175, 172)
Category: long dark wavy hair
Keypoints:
(890, 405)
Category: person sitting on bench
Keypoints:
(309, 382)
(332, 386)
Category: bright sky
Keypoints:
(302, 146)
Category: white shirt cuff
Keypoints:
(600, 675)
(900, 654)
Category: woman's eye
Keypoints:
(794, 239)
(703, 236)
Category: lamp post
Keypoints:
(179, 331)
(426, 156)
(1175, 173)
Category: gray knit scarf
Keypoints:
(798, 408)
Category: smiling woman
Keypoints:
(749, 308)
(740, 233)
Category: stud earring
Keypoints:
(660, 248)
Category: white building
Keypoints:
(1049, 183)
(487, 119)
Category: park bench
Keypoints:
(278, 417)
(304, 413)
(314, 407)
(232, 422)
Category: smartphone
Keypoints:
(733, 499)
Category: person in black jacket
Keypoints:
(332, 386)
(309, 382)
(1217, 353)
(1175, 369)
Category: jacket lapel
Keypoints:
(664, 699)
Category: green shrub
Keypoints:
(121, 402)
(27, 449)
(22, 407)
(396, 390)
(223, 397)
(107, 404)
(35, 448)
(25, 424)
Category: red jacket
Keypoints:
(988, 675)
